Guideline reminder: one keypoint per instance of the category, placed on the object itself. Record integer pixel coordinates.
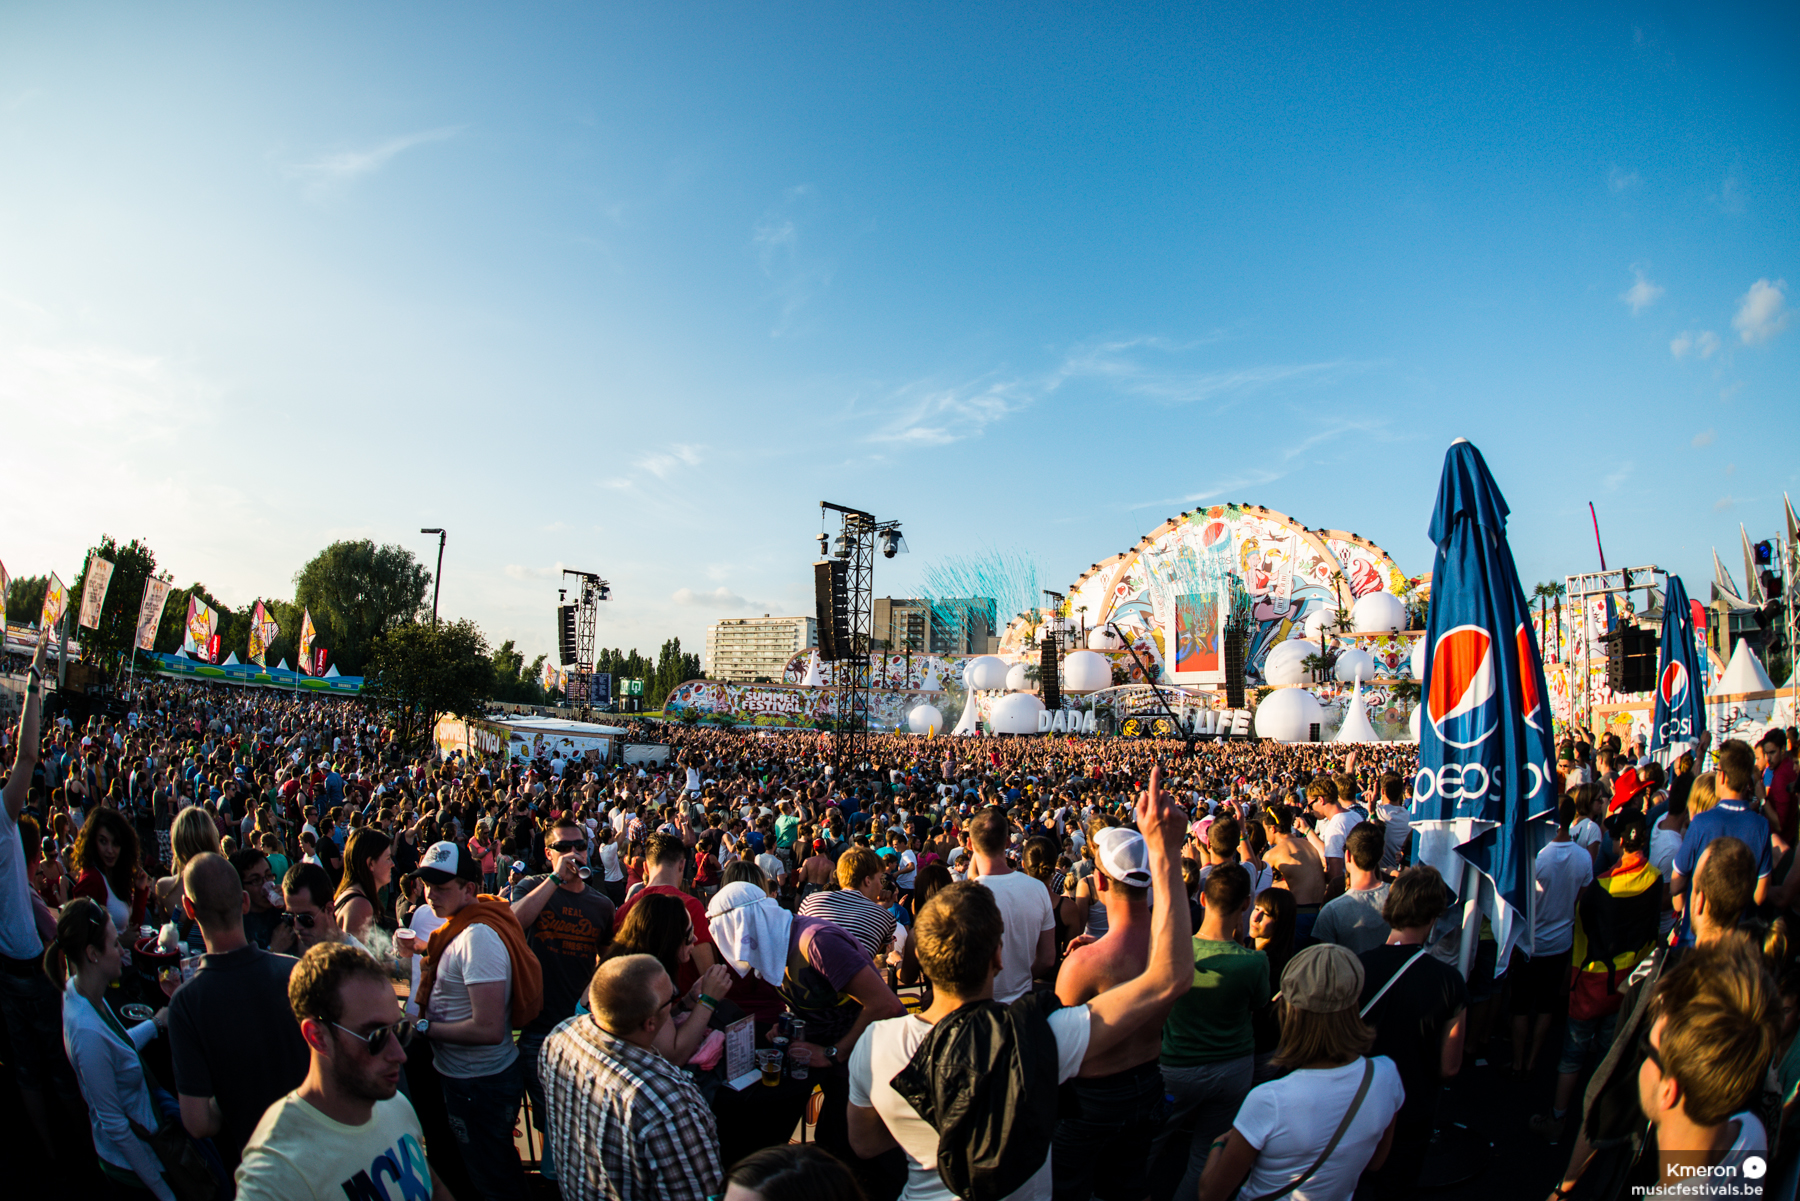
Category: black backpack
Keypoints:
(985, 1079)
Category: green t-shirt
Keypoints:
(1211, 1023)
(785, 829)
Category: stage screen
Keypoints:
(1199, 639)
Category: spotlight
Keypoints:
(892, 543)
(824, 545)
(843, 546)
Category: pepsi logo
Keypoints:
(1461, 702)
(1673, 685)
(1530, 701)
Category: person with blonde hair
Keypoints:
(193, 834)
(1311, 1134)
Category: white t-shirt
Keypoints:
(1335, 829)
(476, 957)
(1290, 1120)
(1586, 833)
(1563, 870)
(772, 867)
(424, 923)
(888, 1046)
(909, 863)
(1025, 908)
(298, 1153)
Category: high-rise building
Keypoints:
(963, 626)
(756, 649)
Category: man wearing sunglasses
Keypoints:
(567, 923)
(344, 1131)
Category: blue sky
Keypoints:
(633, 288)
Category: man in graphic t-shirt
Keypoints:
(567, 924)
(345, 1132)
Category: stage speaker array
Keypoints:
(1631, 659)
(565, 634)
(831, 604)
(1049, 685)
(1234, 668)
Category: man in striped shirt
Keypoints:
(855, 905)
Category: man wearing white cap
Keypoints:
(1119, 1094)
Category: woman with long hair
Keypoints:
(659, 926)
(86, 959)
(193, 834)
(1333, 1114)
(106, 864)
(368, 868)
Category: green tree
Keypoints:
(25, 599)
(132, 563)
(514, 681)
(418, 673)
(357, 592)
(673, 668)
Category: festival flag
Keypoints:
(1680, 713)
(211, 652)
(5, 587)
(318, 658)
(93, 592)
(201, 623)
(1486, 756)
(551, 681)
(307, 634)
(263, 632)
(150, 611)
(56, 603)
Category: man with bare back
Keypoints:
(1119, 1097)
(1301, 867)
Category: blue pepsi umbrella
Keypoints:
(1486, 752)
(1680, 687)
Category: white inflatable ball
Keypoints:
(985, 674)
(1015, 713)
(1418, 660)
(1378, 613)
(1353, 660)
(1413, 721)
(1286, 661)
(1015, 679)
(925, 719)
(1288, 715)
(1086, 671)
(1103, 639)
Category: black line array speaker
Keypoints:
(565, 634)
(1631, 653)
(1234, 668)
(1049, 683)
(831, 605)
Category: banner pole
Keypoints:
(1471, 923)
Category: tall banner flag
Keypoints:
(1680, 712)
(1486, 753)
(551, 680)
(202, 623)
(56, 603)
(93, 592)
(5, 587)
(307, 634)
(262, 633)
(318, 665)
(150, 611)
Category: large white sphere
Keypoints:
(1353, 660)
(1086, 671)
(1286, 664)
(1319, 621)
(1015, 678)
(1015, 713)
(1413, 721)
(985, 674)
(1418, 660)
(925, 719)
(1378, 613)
(1288, 715)
(1103, 639)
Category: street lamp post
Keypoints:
(437, 580)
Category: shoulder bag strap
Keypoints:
(1337, 1135)
(1382, 991)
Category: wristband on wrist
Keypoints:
(709, 1002)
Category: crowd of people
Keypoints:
(251, 945)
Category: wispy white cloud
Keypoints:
(1642, 293)
(716, 598)
(1617, 477)
(518, 572)
(1619, 180)
(329, 174)
(1284, 464)
(661, 463)
(1705, 344)
(1761, 311)
(923, 414)
(1723, 503)
(1705, 438)
(1730, 196)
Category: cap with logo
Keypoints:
(1123, 856)
(445, 861)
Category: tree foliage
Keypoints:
(133, 564)
(173, 627)
(514, 682)
(418, 673)
(25, 598)
(357, 592)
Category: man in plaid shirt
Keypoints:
(625, 1124)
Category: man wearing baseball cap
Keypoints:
(469, 1004)
(1119, 1094)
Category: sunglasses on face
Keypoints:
(1649, 1052)
(376, 1040)
(573, 844)
(305, 921)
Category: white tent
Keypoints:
(282, 666)
(231, 660)
(331, 673)
(815, 673)
(931, 683)
(180, 654)
(1744, 673)
(969, 722)
(1357, 727)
